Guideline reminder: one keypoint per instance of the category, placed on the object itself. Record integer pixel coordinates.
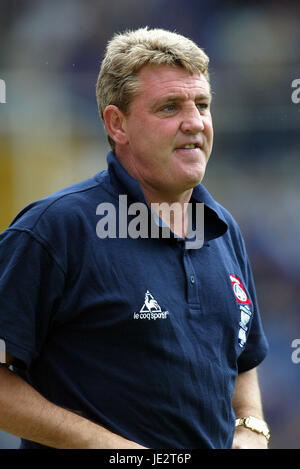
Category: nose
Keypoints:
(192, 122)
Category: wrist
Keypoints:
(254, 424)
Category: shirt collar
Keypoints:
(124, 183)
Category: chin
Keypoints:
(195, 178)
(193, 172)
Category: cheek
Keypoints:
(164, 134)
(149, 135)
(209, 129)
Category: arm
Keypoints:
(247, 401)
(27, 414)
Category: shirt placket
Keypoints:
(192, 281)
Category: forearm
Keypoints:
(247, 397)
(27, 414)
(247, 402)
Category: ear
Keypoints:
(114, 120)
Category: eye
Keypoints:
(202, 106)
(169, 107)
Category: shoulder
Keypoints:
(61, 221)
(63, 206)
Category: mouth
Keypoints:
(190, 147)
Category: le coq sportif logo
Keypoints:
(150, 310)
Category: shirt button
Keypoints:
(192, 279)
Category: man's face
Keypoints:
(169, 130)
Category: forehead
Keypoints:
(162, 80)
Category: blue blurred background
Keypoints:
(51, 136)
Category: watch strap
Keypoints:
(254, 424)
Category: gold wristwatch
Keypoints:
(254, 424)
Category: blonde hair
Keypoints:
(128, 52)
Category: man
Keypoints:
(134, 341)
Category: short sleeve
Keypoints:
(31, 284)
(256, 347)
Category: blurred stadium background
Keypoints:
(51, 136)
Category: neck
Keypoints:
(171, 208)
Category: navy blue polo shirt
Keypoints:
(143, 336)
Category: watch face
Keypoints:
(257, 425)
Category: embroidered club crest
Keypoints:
(239, 291)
